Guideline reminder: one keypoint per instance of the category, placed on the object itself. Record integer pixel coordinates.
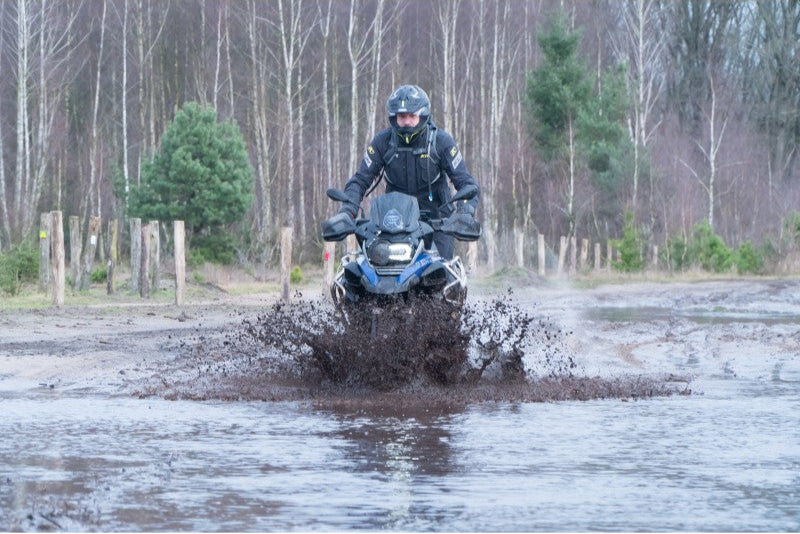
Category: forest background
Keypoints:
(706, 95)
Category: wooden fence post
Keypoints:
(45, 223)
(541, 254)
(75, 248)
(562, 254)
(111, 258)
(144, 271)
(113, 238)
(472, 258)
(573, 255)
(519, 239)
(286, 261)
(136, 254)
(329, 259)
(584, 254)
(155, 256)
(597, 256)
(57, 242)
(89, 253)
(655, 257)
(180, 261)
(609, 254)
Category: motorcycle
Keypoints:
(396, 256)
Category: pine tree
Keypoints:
(201, 175)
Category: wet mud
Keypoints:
(491, 350)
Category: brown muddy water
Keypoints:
(680, 413)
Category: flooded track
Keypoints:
(81, 451)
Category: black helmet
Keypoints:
(408, 99)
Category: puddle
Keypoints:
(699, 316)
(230, 423)
(723, 461)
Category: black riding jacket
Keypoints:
(412, 169)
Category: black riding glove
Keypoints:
(349, 208)
(465, 208)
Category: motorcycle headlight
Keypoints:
(400, 252)
(384, 253)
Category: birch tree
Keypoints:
(260, 77)
(293, 34)
(92, 199)
(710, 152)
(447, 18)
(41, 47)
(124, 103)
(5, 219)
(503, 63)
(642, 42)
(363, 48)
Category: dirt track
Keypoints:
(645, 329)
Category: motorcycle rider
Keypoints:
(414, 155)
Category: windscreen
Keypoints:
(395, 213)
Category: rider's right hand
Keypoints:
(349, 209)
(340, 217)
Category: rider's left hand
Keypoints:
(465, 208)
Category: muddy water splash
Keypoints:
(425, 352)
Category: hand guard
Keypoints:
(462, 226)
(338, 227)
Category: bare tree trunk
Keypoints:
(644, 42)
(93, 197)
(142, 57)
(375, 64)
(496, 63)
(354, 49)
(261, 127)
(125, 164)
(328, 133)
(287, 41)
(23, 148)
(228, 62)
(485, 168)
(218, 60)
(293, 36)
(571, 177)
(710, 153)
(5, 220)
(447, 16)
(358, 52)
(304, 179)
